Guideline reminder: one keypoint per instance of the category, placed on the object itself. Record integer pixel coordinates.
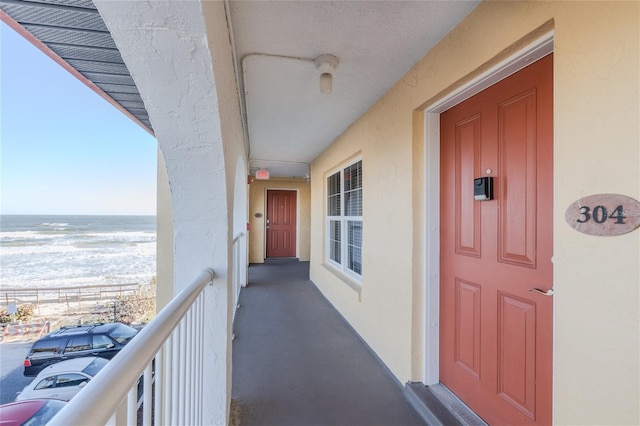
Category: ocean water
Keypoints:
(62, 251)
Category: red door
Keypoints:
(496, 334)
(281, 223)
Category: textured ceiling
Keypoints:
(376, 42)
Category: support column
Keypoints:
(168, 52)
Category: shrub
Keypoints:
(25, 312)
(139, 307)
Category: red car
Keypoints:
(33, 412)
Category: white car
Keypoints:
(64, 379)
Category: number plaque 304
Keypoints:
(604, 214)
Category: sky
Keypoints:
(63, 148)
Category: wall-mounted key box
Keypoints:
(483, 188)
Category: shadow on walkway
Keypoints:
(296, 361)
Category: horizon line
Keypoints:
(78, 214)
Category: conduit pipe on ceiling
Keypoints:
(248, 55)
(325, 64)
(239, 81)
(253, 167)
(242, 89)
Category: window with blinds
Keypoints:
(344, 219)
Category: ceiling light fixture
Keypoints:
(326, 64)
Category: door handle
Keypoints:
(545, 293)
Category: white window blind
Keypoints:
(344, 219)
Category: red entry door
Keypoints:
(281, 223)
(496, 334)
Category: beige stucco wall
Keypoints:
(597, 150)
(258, 205)
(164, 239)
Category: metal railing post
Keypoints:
(101, 399)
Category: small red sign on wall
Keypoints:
(262, 174)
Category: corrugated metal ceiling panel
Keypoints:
(71, 37)
(92, 53)
(97, 66)
(38, 13)
(117, 88)
(111, 79)
(75, 32)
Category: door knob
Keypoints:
(546, 293)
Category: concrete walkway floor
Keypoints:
(297, 362)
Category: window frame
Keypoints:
(122, 333)
(73, 345)
(344, 220)
(101, 341)
(46, 348)
(46, 383)
(69, 380)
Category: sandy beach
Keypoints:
(49, 317)
(63, 314)
(138, 308)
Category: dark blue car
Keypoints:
(102, 340)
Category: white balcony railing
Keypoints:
(239, 266)
(169, 354)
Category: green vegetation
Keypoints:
(25, 312)
(133, 309)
